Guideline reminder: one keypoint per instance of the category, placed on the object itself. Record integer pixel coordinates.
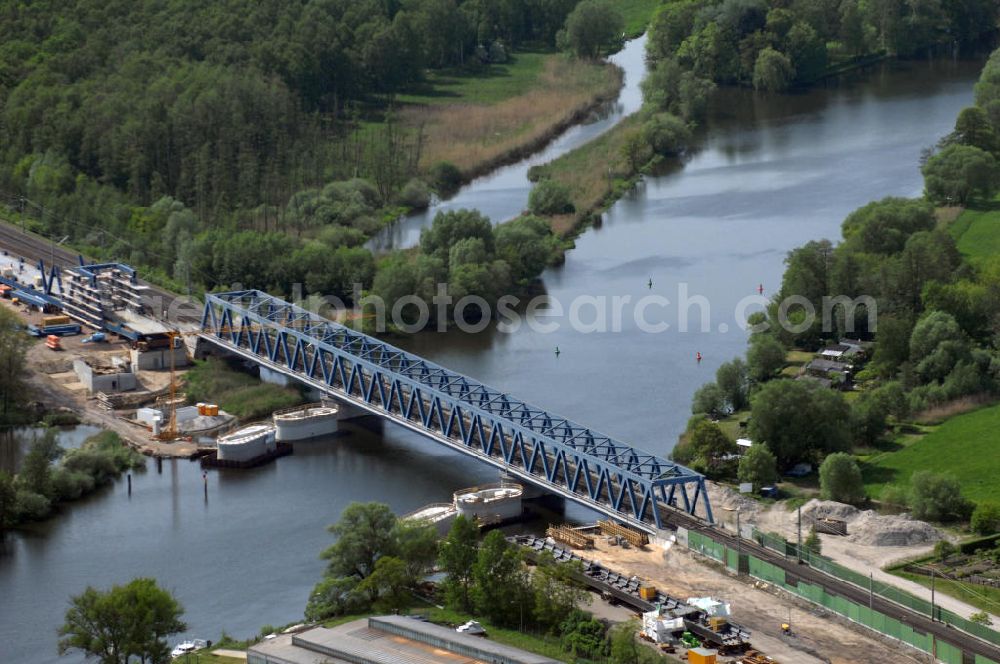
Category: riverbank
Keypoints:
(480, 122)
(596, 175)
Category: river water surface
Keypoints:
(772, 174)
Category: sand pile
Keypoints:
(890, 530)
(828, 509)
(871, 528)
(725, 499)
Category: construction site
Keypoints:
(691, 610)
(103, 352)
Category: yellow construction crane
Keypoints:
(170, 431)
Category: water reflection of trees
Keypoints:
(11, 451)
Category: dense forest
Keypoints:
(150, 131)
(774, 44)
(258, 143)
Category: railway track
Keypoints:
(918, 621)
(34, 248)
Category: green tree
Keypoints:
(883, 227)
(13, 346)
(973, 128)
(813, 542)
(871, 411)
(765, 357)
(935, 497)
(708, 399)
(840, 479)
(445, 177)
(127, 621)
(527, 245)
(937, 344)
(733, 379)
(592, 27)
(758, 466)
(635, 150)
(583, 635)
(943, 550)
(624, 647)
(666, 134)
(387, 587)
(799, 420)
(985, 519)
(416, 546)
(8, 501)
(335, 596)
(773, 71)
(36, 467)
(395, 279)
(500, 591)
(557, 593)
(550, 197)
(807, 52)
(454, 225)
(959, 173)
(710, 444)
(365, 533)
(457, 557)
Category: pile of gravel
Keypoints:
(891, 530)
(871, 528)
(828, 509)
(724, 498)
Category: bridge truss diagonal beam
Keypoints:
(588, 467)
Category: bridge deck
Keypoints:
(546, 449)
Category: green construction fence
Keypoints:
(861, 614)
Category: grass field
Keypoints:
(488, 85)
(637, 14)
(595, 173)
(237, 393)
(965, 445)
(977, 233)
(981, 597)
(477, 120)
(540, 645)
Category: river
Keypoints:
(503, 194)
(772, 173)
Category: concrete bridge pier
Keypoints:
(345, 410)
(538, 498)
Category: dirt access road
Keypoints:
(819, 636)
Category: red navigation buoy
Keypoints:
(760, 289)
(698, 356)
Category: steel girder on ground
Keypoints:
(590, 467)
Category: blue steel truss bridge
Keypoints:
(525, 441)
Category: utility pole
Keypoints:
(798, 549)
(739, 543)
(933, 610)
(871, 590)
